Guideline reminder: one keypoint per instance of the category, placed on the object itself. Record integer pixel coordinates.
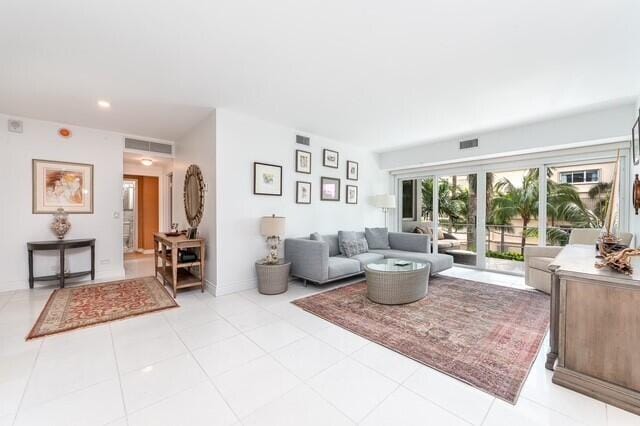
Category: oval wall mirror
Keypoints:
(193, 195)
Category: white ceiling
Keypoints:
(375, 72)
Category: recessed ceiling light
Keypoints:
(146, 161)
(104, 104)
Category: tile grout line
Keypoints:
(486, 415)
(209, 378)
(115, 357)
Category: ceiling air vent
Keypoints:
(140, 145)
(471, 143)
(303, 140)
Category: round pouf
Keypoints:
(273, 278)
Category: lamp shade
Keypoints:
(385, 201)
(272, 226)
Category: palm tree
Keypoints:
(451, 201)
(517, 201)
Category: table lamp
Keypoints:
(272, 227)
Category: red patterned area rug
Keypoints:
(77, 307)
(482, 334)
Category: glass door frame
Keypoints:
(573, 157)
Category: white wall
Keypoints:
(198, 147)
(607, 123)
(17, 223)
(241, 140)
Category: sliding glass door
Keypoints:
(457, 217)
(513, 200)
(486, 215)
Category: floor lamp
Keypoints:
(385, 202)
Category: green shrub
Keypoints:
(505, 255)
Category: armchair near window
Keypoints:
(538, 259)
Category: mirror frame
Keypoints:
(193, 172)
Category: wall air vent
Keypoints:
(471, 143)
(140, 145)
(303, 140)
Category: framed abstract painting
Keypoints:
(303, 192)
(352, 194)
(303, 161)
(329, 189)
(267, 179)
(352, 170)
(330, 158)
(61, 185)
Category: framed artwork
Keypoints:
(330, 158)
(352, 170)
(303, 192)
(267, 179)
(61, 185)
(635, 141)
(352, 194)
(303, 161)
(329, 189)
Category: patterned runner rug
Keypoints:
(482, 334)
(76, 307)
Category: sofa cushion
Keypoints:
(351, 248)
(377, 238)
(339, 266)
(348, 235)
(332, 240)
(439, 262)
(541, 263)
(366, 258)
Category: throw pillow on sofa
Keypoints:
(346, 236)
(351, 248)
(377, 238)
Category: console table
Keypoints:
(595, 328)
(61, 246)
(173, 272)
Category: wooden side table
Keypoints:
(173, 272)
(273, 278)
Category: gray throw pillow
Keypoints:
(346, 236)
(351, 248)
(316, 236)
(377, 238)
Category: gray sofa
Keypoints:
(321, 262)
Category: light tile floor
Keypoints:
(248, 359)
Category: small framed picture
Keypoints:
(635, 141)
(330, 158)
(352, 194)
(303, 161)
(303, 192)
(267, 179)
(352, 170)
(329, 189)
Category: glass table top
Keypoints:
(395, 265)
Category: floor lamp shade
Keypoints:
(385, 201)
(271, 226)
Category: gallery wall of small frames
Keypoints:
(267, 178)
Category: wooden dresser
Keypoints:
(596, 328)
(173, 272)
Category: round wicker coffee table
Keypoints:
(396, 282)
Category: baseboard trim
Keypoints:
(219, 289)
